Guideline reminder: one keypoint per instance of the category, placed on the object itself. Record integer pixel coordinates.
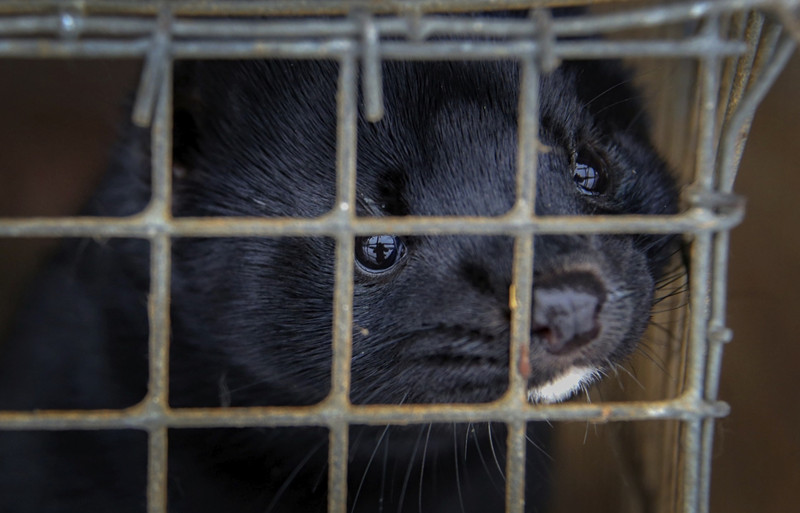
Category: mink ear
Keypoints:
(186, 118)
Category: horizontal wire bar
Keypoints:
(84, 25)
(324, 414)
(641, 16)
(68, 49)
(284, 7)
(589, 49)
(393, 50)
(143, 226)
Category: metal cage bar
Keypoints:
(520, 296)
(159, 34)
(339, 398)
(156, 403)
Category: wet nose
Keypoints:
(566, 308)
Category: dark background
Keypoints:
(58, 120)
(757, 463)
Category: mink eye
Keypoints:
(379, 253)
(589, 173)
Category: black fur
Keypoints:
(251, 317)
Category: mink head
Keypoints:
(431, 317)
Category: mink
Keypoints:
(251, 317)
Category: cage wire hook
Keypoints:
(542, 24)
(371, 75)
(154, 66)
(414, 29)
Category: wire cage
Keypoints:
(718, 59)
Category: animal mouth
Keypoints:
(564, 385)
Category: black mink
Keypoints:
(251, 317)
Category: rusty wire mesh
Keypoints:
(736, 47)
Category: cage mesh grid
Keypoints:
(738, 52)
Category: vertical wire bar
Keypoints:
(709, 83)
(691, 437)
(528, 136)
(151, 74)
(731, 152)
(731, 70)
(371, 76)
(160, 207)
(521, 295)
(736, 130)
(707, 441)
(346, 124)
(515, 466)
(700, 273)
(157, 450)
(717, 339)
(160, 271)
(753, 27)
(766, 43)
(522, 272)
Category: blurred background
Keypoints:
(59, 119)
(757, 448)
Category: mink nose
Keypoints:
(565, 311)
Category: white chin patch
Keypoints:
(564, 385)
